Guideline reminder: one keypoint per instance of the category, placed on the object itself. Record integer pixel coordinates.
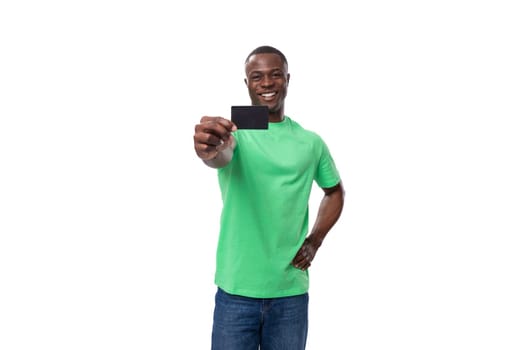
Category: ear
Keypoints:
(246, 81)
(287, 79)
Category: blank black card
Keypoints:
(250, 117)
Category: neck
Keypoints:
(276, 117)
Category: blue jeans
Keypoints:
(241, 323)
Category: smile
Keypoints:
(268, 95)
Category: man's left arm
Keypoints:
(329, 212)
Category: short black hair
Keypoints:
(267, 49)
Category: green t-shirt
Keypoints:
(265, 191)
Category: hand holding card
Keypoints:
(250, 117)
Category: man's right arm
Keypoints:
(213, 141)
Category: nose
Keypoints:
(266, 81)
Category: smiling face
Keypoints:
(267, 81)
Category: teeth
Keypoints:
(269, 94)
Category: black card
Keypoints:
(250, 117)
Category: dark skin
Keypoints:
(213, 141)
(329, 212)
(267, 81)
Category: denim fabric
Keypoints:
(241, 323)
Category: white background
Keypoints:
(108, 221)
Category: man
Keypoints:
(264, 248)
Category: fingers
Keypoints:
(303, 265)
(212, 135)
(212, 122)
(206, 152)
(304, 257)
(225, 144)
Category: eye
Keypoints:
(277, 74)
(255, 77)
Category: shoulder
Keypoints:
(306, 133)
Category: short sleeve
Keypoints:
(327, 174)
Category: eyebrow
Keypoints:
(271, 70)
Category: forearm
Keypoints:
(221, 159)
(223, 155)
(329, 212)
